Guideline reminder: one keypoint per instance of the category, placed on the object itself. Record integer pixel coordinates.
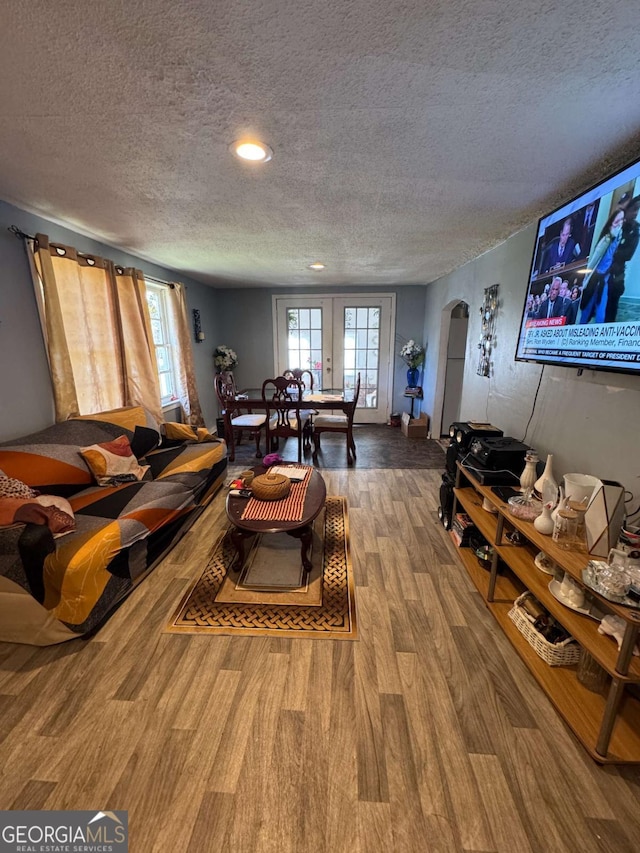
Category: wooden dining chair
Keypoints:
(338, 423)
(304, 376)
(237, 418)
(307, 415)
(282, 399)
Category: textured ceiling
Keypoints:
(409, 136)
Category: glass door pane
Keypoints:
(303, 337)
(366, 333)
(337, 338)
(362, 352)
(304, 341)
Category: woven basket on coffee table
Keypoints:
(271, 487)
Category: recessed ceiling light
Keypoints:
(255, 152)
(316, 266)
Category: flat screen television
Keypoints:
(582, 306)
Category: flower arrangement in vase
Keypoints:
(413, 356)
(224, 358)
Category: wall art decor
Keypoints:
(488, 314)
(197, 327)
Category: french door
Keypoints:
(337, 338)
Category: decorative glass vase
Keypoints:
(547, 474)
(412, 377)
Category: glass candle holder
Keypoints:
(565, 531)
(612, 581)
(590, 673)
(579, 510)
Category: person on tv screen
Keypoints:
(573, 305)
(561, 250)
(623, 254)
(529, 308)
(587, 226)
(595, 285)
(552, 305)
(623, 201)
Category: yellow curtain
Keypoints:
(185, 371)
(97, 332)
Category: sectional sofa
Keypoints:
(62, 581)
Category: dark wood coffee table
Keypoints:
(244, 528)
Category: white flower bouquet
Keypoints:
(412, 354)
(224, 358)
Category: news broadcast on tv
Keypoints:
(582, 307)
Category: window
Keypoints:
(108, 346)
(163, 338)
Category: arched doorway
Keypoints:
(451, 360)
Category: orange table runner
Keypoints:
(287, 509)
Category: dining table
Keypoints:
(326, 399)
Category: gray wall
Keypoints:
(240, 318)
(246, 318)
(589, 422)
(25, 386)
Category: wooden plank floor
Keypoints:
(427, 734)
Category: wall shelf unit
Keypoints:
(608, 725)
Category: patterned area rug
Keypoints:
(273, 574)
(323, 605)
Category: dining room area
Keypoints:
(286, 407)
(301, 423)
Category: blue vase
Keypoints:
(412, 377)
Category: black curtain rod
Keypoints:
(155, 280)
(17, 232)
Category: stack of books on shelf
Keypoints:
(462, 528)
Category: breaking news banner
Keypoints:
(609, 342)
(64, 832)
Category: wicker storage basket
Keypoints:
(565, 653)
(271, 487)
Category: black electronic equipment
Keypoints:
(487, 476)
(451, 454)
(504, 453)
(445, 510)
(455, 426)
(463, 432)
(505, 492)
